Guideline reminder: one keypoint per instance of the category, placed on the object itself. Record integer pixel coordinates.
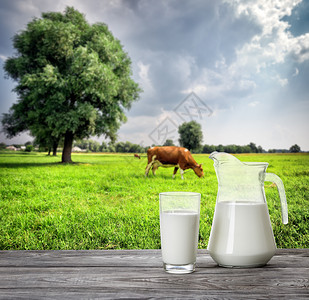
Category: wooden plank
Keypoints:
(262, 281)
(149, 282)
(212, 277)
(98, 293)
(151, 258)
(139, 274)
(140, 258)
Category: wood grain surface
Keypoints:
(116, 274)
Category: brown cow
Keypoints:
(172, 156)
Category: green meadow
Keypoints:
(103, 201)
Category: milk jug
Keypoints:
(241, 233)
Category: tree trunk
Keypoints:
(49, 149)
(67, 148)
(55, 146)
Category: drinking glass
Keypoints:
(179, 226)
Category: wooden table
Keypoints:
(113, 274)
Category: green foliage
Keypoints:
(121, 147)
(127, 147)
(294, 149)
(168, 142)
(105, 202)
(251, 148)
(87, 144)
(191, 135)
(73, 80)
(29, 148)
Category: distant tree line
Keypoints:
(250, 148)
(128, 147)
(89, 145)
(120, 147)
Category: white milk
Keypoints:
(241, 235)
(179, 236)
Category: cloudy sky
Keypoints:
(239, 68)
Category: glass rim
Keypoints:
(256, 163)
(173, 194)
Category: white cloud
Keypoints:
(3, 57)
(282, 81)
(144, 79)
(299, 48)
(253, 104)
(274, 42)
(199, 89)
(256, 60)
(296, 72)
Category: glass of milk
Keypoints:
(179, 225)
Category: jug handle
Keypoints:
(278, 182)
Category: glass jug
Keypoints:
(241, 233)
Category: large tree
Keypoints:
(294, 149)
(191, 135)
(73, 80)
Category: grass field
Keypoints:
(103, 201)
